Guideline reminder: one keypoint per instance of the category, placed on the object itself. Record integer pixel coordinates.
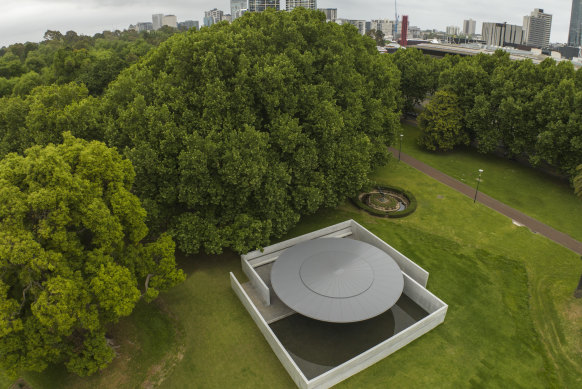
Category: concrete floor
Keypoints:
(277, 310)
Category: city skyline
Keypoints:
(27, 20)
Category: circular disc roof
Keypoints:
(337, 280)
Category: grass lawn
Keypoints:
(512, 320)
(533, 192)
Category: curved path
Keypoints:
(521, 218)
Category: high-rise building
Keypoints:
(469, 27)
(170, 20)
(414, 32)
(145, 26)
(261, 5)
(359, 24)
(157, 21)
(452, 30)
(575, 33)
(240, 13)
(536, 28)
(384, 25)
(212, 17)
(501, 34)
(237, 7)
(330, 13)
(188, 24)
(290, 4)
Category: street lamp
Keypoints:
(477, 188)
(400, 148)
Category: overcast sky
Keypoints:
(27, 20)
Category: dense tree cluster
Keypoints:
(71, 257)
(237, 130)
(515, 107)
(93, 61)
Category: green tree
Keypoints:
(377, 35)
(71, 257)
(441, 123)
(578, 182)
(26, 83)
(6, 86)
(419, 76)
(467, 80)
(11, 66)
(42, 116)
(237, 130)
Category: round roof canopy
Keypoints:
(337, 280)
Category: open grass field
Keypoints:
(512, 320)
(533, 192)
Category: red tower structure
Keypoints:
(404, 31)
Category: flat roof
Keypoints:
(337, 280)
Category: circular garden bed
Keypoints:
(386, 201)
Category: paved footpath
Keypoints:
(519, 217)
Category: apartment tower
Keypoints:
(536, 28)
(469, 27)
(311, 4)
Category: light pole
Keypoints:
(477, 188)
(400, 148)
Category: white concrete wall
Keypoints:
(412, 269)
(396, 342)
(286, 360)
(291, 242)
(272, 256)
(425, 299)
(413, 290)
(415, 279)
(257, 282)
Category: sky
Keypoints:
(27, 20)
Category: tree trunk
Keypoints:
(578, 292)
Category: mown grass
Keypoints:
(540, 195)
(512, 320)
(5, 382)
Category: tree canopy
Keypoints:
(237, 130)
(527, 111)
(441, 123)
(71, 257)
(419, 75)
(64, 58)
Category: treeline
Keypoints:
(234, 131)
(75, 251)
(62, 58)
(517, 108)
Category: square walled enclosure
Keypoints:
(257, 298)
